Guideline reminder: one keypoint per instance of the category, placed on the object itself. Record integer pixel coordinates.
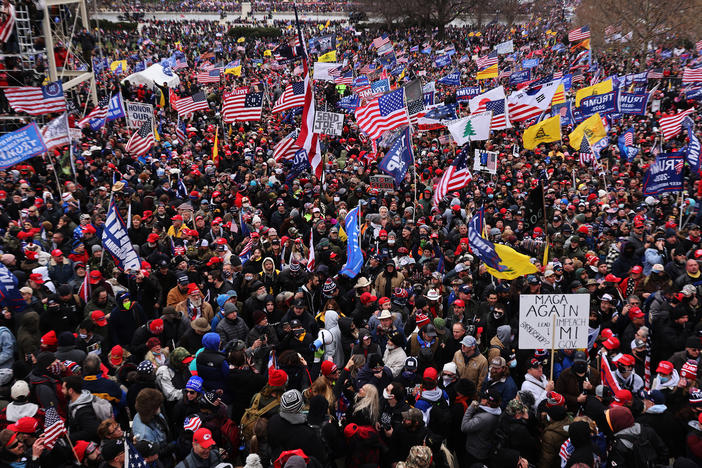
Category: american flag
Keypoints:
(671, 125)
(308, 140)
(579, 34)
(242, 107)
(383, 114)
(456, 177)
(99, 113)
(379, 42)
(293, 96)
(310, 258)
(181, 132)
(180, 64)
(141, 142)
(286, 148)
(499, 116)
(577, 78)
(209, 76)
(135, 460)
(558, 75)
(54, 428)
(629, 138)
(8, 26)
(55, 133)
(37, 100)
(487, 60)
(192, 423)
(366, 69)
(206, 66)
(692, 75)
(190, 104)
(84, 291)
(585, 153)
(679, 165)
(655, 74)
(344, 78)
(698, 45)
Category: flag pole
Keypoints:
(553, 341)
(71, 445)
(543, 201)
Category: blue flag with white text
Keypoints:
(399, 157)
(354, 255)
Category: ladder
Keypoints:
(23, 27)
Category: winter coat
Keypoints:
(124, 323)
(7, 348)
(669, 429)
(232, 329)
(334, 350)
(480, 423)
(283, 435)
(385, 284)
(553, 437)
(82, 421)
(536, 387)
(571, 386)
(394, 360)
(475, 369)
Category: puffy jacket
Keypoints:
(232, 329)
(211, 364)
(82, 421)
(480, 423)
(554, 435)
(333, 351)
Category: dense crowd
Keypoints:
(257, 6)
(228, 346)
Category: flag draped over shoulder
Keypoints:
(501, 261)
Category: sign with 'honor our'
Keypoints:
(561, 319)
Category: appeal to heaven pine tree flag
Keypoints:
(545, 131)
(473, 128)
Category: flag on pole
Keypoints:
(55, 133)
(190, 104)
(215, 148)
(476, 127)
(493, 100)
(692, 75)
(115, 240)
(546, 131)
(142, 141)
(671, 125)
(242, 106)
(456, 176)
(286, 148)
(54, 427)
(310, 258)
(579, 34)
(181, 131)
(607, 376)
(383, 114)
(307, 140)
(8, 25)
(209, 76)
(37, 100)
(96, 117)
(293, 96)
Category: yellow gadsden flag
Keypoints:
(592, 128)
(594, 90)
(545, 131)
(512, 264)
(328, 57)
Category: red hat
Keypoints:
(421, 320)
(221, 241)
(430, 374)
(89, 229)
(584, 229)
(49, 339)
(637, 269)
(95, 276)
(554, 399)
(689, 370)
(606, 333)
(37, 278)
(25, 425)
(217, 220)
(152, 342)
(626, 360)
(635, 312)
(622, 397)
(459, 303)
(366, 298)
(177, 218)
(383, 300)
(80, 447)
(277, 377)
(610, 278)
(665, 367)
(116, 355)
(156, 326)
(328, 368)
(98, 318)
(56, 253)
(214, 260)
(203, 437)
(192, 288)
(382, 232)
(611, 343)
(153, 237)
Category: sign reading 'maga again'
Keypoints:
(558, 318)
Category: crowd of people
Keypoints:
(258, 6)
(230, 345)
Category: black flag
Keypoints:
(534, 208)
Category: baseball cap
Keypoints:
(665, 367)
(203, 437)
(621, 397)
(95, 276)
(468, 341)
(98, 318)
(37, 278)
(25, 425)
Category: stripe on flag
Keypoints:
(671, 125)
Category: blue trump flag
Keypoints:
(299, 165)
(20, 145)
(10, 296)
(452, 79)
(521, 76)
(664, 175)
(442, 61)
(695, 94)
(115, 110)
(354, 255)
(116, 241)
(399, 158)
(627, 152)
(481, 247)
(692, 150)
(633, 103)
(381, 86)
(349, 103)
(464, 94)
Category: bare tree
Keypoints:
(650, 22)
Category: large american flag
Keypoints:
(242, 106)
(141, 142)
(135, 460)
(99, 113)
(293, 96)
(671, 125)
(585, 153)
(487, 60)
(692, 75)
(344, 78)
(181, 132)
(383, 114)
(190, 104)
(499, 116)
(209, 76)
(655, 74)
(579, 34)
(456, 177)
(379, 42)
(37, 100)
(698, 45)
(286, 148)
(54, 428)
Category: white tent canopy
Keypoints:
(153, 75)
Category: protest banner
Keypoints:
(328, 123)
(558, 321)
(138, 113)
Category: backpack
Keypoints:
(103, 408)
(253, 414)
(641, 455)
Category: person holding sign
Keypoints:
(577, 381)
(536, 382)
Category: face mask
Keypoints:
(248, 277)
(497, 315)
(82, 336)
(512, 363)
(391, 241)
(390, 345)
(663, 378)
(227, 274)
(127, 304)
(446, 380)
(160, 172)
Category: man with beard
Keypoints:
(499, 380)
(388, 280)
(179, 293)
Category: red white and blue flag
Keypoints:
(383, 114)
(37, 100)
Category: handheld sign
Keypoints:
(539, 330)
(138, 113)
(328, 123)
(382, 182)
